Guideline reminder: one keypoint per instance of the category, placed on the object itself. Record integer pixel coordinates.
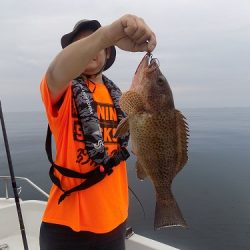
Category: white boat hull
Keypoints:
(32, 211)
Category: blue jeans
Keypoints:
(59, 237)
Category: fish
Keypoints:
(159, 136)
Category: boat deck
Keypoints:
(32, 211)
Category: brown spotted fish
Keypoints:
(159, 134)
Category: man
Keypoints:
(82, 107)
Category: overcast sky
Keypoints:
(203, 47)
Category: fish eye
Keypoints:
(161, 80)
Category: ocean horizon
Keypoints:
(212, 190)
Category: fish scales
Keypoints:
(159, 137)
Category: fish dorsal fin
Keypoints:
(131, 102)
(182, 140)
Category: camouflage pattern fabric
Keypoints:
(87, 115)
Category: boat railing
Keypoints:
(7, 179)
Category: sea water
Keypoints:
(212, 190)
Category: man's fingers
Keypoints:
(143, 37)
(130, 26)
(140, 32)
(135, 35)
(143, 31)
(136, 29)
(148, 42)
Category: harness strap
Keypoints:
(91, 178)
(84, 185)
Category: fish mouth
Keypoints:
(148, 68)
(149, 63)
(153, 64)
(144, 62)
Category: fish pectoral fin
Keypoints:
(182, 140)
(141, 174)
(122, 128)
(131, 102)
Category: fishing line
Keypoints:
(131, 190)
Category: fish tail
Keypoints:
(168, 214)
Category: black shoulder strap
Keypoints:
(48, 145)
(91, 177)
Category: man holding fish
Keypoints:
(88, 203)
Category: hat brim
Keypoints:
(88, 25)
(111, 58)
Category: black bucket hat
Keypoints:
(87, 25)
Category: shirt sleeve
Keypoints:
(55, 114)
